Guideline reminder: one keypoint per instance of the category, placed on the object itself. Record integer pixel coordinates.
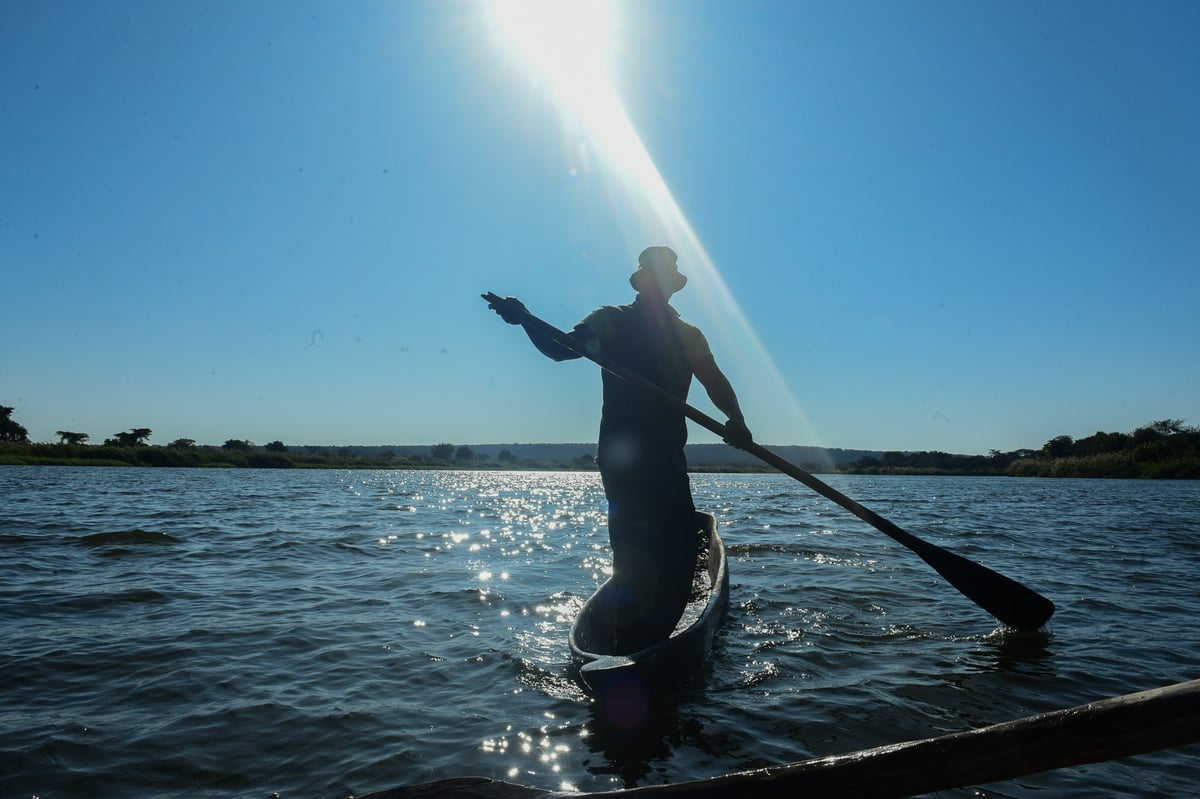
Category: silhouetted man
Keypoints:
(651, 517)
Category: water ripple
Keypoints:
(177, 633)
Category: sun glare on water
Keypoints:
(569, 45)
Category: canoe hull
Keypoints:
(668, 663)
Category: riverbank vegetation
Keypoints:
(1163, 449)
(237, 453)
(1166, 449)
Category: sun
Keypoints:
(568, 47)
(567, 43)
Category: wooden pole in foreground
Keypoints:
(1106, 730)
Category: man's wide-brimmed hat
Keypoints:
(660, 265)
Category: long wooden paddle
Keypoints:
(1108, 729)
(1009, 601)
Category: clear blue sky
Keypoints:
(917, 225)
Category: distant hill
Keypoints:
(698, 455)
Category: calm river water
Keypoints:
(211, 633)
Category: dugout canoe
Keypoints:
(599, 667)
(1107, 729)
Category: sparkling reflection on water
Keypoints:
(207, 633)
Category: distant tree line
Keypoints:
(1164, 449)
(132, 448)
(1168, 448)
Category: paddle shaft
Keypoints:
(1108, 729)
(1009, 601)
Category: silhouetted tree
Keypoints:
(464, 454)
(67, 437)
(9, 429)
(182, 443)
(239, 444)
(131, 438)
(276, 446)
(1168, 427)
(1144, 435)
(1100, 443)
(1058, 447)
(442, 452)
(506, 456)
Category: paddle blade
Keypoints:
(1012, 603)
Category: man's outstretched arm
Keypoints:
(513, 311)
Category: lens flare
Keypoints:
(569, 44)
